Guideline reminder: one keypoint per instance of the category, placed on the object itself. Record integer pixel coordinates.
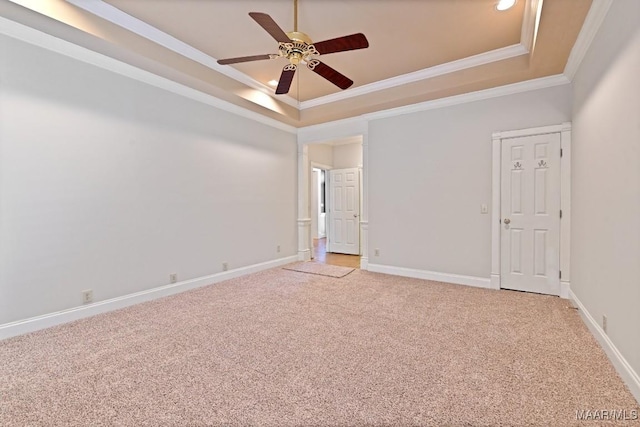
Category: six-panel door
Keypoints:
(530, 214)
(344, 232)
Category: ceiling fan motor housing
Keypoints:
(299, 50)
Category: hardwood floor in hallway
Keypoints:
(322, 256)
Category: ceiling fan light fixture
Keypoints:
(505, 5)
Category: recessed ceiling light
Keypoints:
(273, 83)
(505, 4)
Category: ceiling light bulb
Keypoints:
(273, 83)
(505, 4)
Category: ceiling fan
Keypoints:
(298, 48)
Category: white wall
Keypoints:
(321, 154)
(347, 156)
(606, 179)
(429, 173)
(110, 184)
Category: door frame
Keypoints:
(564, 130)
(326, 169)
(322, 134)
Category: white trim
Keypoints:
(495, 281)
(511, 89)
(334, 130)
(355, 139)
(32, 324)
(565, 205)
(564, 130)
(149, 32)
(351, 126)
(326, 168)
(38, 38)
(542, 130)
(629, 376)
(565, 289)
(477, 282)
(364, 239)
(496, 155)
(530, 24)
(426, 73)
(316, 165)
(126, 21)
(321, 132)
(305, 244)
(591, 25)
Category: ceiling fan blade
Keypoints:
(285, 79)
(228, 61)
(330, 74)
(270, 26)
(341, 44)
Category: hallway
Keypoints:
(321, 255)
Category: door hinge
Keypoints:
(561, 152)
(561, 213)
(560, 274)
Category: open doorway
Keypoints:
(335, 201)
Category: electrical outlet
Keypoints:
(278, 248)
(225, 266)
(376, 252)
(604, 323)
(87, 296)
(484, 208)
(173, 278)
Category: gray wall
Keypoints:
(605, 239)
(110, 184)
(430, 172)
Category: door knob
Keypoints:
(355, 215)
(507, 221)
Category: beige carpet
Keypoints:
(319, 268)
(282, 348)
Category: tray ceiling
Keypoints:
(419, 50)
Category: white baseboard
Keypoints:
(478, 282)
(304, 255)
(629, 376)
(495, 281)
(364, 263)
(565, 289)
(32, 324)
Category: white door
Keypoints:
(530, 214)
(344, 211)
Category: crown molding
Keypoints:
(124, 20)
(38, 38)
(511, 89)
(427, 73)
(357, 125)
(141, 28)
(592, 23)
(530, 23)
